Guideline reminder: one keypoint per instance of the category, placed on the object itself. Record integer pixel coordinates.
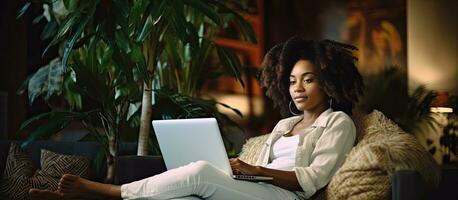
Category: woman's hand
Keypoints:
(240, 167)
(284, 179)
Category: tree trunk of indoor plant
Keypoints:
(112, 158)
(145, 120)
(151, 49)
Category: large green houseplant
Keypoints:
(112, 51)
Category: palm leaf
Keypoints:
(49, 30)
(64, 28)
(204, 7)
(57, 121)
(178, 21)
(247, 31)
(153, 15)
(231, 62)
(23, 9)
(79, 29)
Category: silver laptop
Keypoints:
(188, 140)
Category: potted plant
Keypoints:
(110, 57)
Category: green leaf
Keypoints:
(27, 122)
(91, 57)
(57, 122)
(147, 27)
(137, 10)
(71, 94)
(49, 30)
(206, 9)
(185, 103)
(80, 28)
(37, 19)
(122, 41)
(193, 34)
(64, 28)
(245, 28)
(83, 40)
(198, 62)
(123, 6)
(133, 110)
(171, 48)
(70, 5)
(90, 83)
(153, 15)
(46, 81)
(136, 54)
(231, 62)
(23, 10)
(178, 21)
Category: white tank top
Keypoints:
(283, 154)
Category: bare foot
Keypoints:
(70, 184)
(76, 187)
(37, 194)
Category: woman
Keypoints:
(315, 80)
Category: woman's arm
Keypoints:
(283, 179)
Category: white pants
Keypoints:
(203, 180)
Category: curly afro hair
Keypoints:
(334, 64)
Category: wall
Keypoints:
(13, 62)
(432, 44)
(432, 58)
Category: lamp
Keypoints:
(441, 104)
(447, 140)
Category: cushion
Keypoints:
(18, 168)
(20, 175)
(55, 165)
(382, 149)
(252, 148)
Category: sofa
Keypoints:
(403, 180)
(406, 184)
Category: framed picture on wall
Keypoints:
(376, 27)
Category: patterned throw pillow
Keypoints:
(20, 173)
(54, 165)
(16, 179)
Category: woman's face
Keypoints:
(304, 88)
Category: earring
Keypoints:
(330, 102)
(291, 110)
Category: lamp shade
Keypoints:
(441, 104)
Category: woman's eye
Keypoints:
(309, 80)
(291, 82)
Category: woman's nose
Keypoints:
(299, 88)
